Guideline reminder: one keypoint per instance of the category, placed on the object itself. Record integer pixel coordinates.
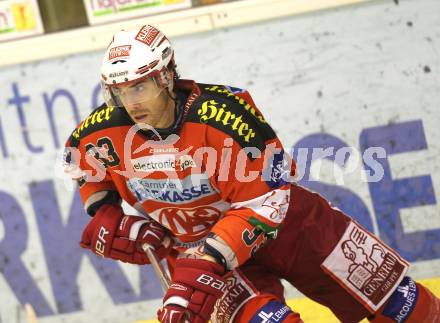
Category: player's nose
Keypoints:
(133, 106)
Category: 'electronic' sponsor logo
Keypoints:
(164, 162)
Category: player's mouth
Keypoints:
(140, 117)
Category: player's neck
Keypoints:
(170, 114)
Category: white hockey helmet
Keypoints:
(134, 56)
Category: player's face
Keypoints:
(146, 102)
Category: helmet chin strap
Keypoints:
(171, 94)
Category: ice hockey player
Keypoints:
(204, 168)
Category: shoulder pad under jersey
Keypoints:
(220, 108)
(101, 118)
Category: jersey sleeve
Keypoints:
(95, 184)
(253, 176)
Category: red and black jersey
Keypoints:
(219, 178)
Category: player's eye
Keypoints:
(116, 91)
(139, 87)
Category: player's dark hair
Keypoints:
(173, 68)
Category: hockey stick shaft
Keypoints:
(158, 268)
(160, 271)
(31, 317)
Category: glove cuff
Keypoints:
(135, 228)
(176, 300)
